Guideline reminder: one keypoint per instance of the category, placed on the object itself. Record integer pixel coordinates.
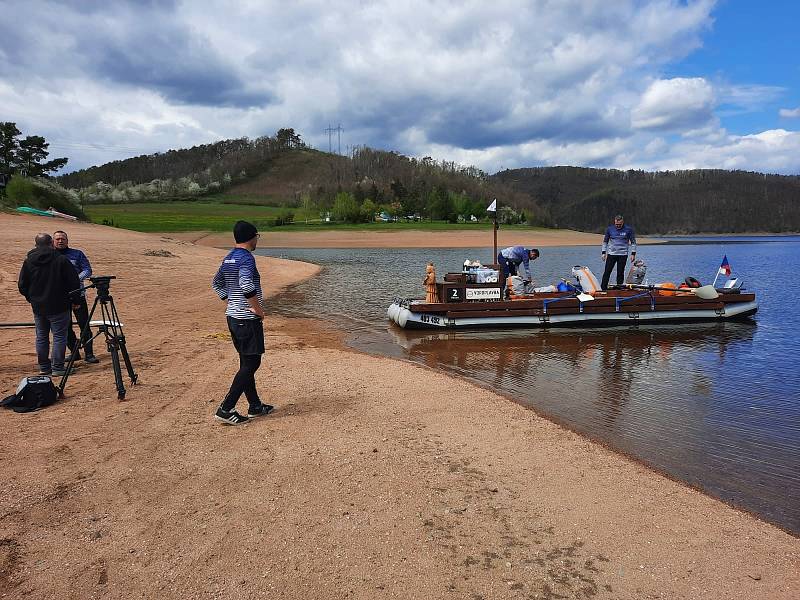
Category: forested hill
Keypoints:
(713, 201)
(282, 171)
(208, 162)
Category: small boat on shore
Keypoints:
(479, 305)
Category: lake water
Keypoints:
(716, 406)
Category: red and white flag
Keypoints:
(725, 267)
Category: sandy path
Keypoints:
(404, 239)
(374, 479)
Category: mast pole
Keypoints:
(494, 227)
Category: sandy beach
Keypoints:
(405, 239)
(374, 478)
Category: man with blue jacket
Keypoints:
(238, 283)
(618, 240)
(511, 259)
(81, 265)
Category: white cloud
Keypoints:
(772, 151)
(674, 104)
(790, 113)
(508, 83)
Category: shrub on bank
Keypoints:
(43, 194)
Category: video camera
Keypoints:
(102, 284)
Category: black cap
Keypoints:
(244, 232)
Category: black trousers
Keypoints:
(82, 317)
(248, 339)
(611, 261)
(509, 268)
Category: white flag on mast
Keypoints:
(492, 206)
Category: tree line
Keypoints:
(676, 202)
(372, 181)
(281, 169)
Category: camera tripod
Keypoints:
(111, 327)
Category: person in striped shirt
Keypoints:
(239, 284)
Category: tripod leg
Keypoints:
(120, 336)
(71, 362)
(128, 365)
(113, 348)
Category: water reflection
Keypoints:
(598, 368)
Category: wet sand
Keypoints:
(373, 479)
(404, 239)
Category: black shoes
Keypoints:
(260, 410)
(63, 371)
(90, 358)
(234, 418)
(230, 418)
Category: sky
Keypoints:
(642, 84)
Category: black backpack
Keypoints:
(32, 394)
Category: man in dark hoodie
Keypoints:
(49, 282)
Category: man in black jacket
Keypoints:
(49, 282)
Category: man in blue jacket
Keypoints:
(84, 270)
(618, 240)
(238, 283)
(510, 259)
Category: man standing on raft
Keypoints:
(239, 282)
(617, 241)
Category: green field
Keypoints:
(214, 216)
(183, 216)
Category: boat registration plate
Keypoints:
(483, 293)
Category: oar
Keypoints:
(706, 292)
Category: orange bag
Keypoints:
(668, 292)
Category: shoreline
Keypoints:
(401, 239)
(375, 477)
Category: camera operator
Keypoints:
(84, 270)
(50, 284)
